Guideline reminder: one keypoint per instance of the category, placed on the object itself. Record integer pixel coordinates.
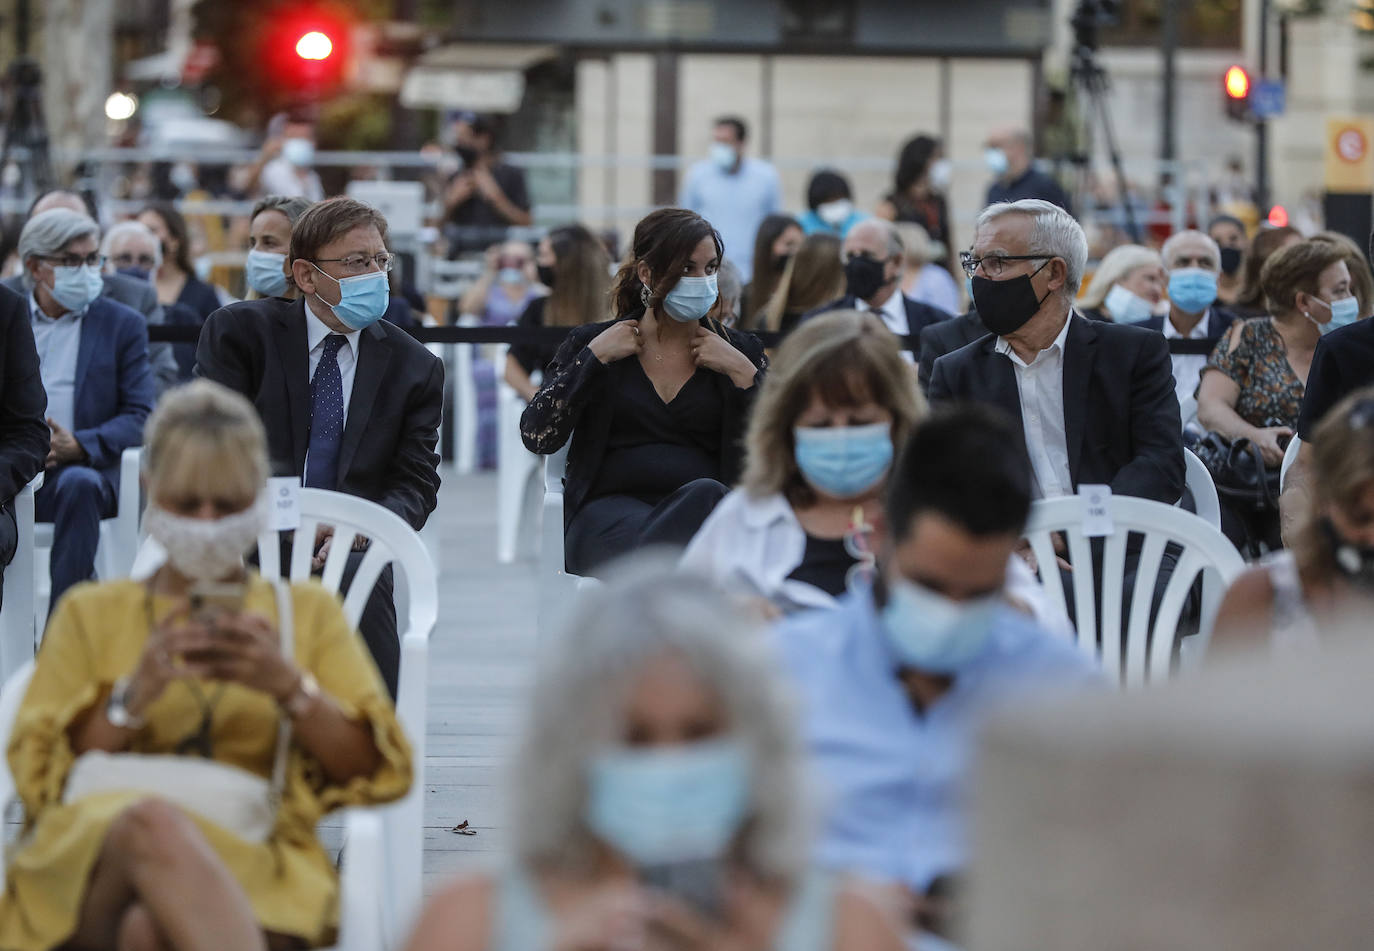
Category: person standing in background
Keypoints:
(285, 166)
(732, 191)
(1010, 158)
(485, 196)
(918, 191)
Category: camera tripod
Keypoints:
(1089, 76)
(25, 128)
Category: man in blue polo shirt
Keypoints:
(733, 192)
(894, 681)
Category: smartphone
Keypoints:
(699, 885)
(212, 598)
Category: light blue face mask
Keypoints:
(363, 299)
(724, 155)
(691, 298)
(931, 633)
(265, 273)
(1344, 312)
(1192, 289)
(1126, 306)
(299, 152)
(669, 804)
(75, 287)
(996, 161)
(843, 461)
(510, 275)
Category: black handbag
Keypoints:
(1238, 469)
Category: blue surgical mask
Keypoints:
(724, 155)
(1126, 306)
(299, 152)
(670, 804)
(1192, 289)
(933, 633)
(843, 461)
(996, 161)
(75, 287)
(691, 298)
(362, 299)
(137, 273)
(1344, 312)
(266, 274)
(510, 275)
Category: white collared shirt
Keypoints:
(315, 332)
(1040, 384)
(1188, 366)
(59, 345)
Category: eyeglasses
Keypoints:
(993, 264)
(134, 260)
(75, 260)
(358, 263)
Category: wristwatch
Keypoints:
(306, 692)
(117, 707)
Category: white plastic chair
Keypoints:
(555, 584)
(18, 622)
(464, 402)
(1149, 650)
(118, 536)
(1199, 482)
(361, 886)
(1187, 410)
(515, 466)
(1290, 455)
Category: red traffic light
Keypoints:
(1278, 216)
(1237, 82)
(314, 45)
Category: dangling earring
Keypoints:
(644, 296)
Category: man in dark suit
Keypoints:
(1096, 400)
(946, 337)
(873, 262)
(350, 402)
(129, 291)
(93, 360)
(24, 436)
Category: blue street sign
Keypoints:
(1268, 98)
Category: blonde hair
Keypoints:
(920, 249)
(203, 437)
(1342, 465)
(844, 357)
(1115, 267)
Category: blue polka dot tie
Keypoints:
(326, 418)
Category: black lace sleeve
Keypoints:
(574, 377)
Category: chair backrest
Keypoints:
(1290, 455)
(1204, 490)
(1147, 651)
(18, 623)
(1187, 409)
(555, 466)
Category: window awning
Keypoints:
(483, 77)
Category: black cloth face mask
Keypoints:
(1230, 260)
(1005, 306)
(1354, 563)
(864, 277)
(545, 275)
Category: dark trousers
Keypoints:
(613, 525)
(378, 622)
(74, 499)
(9, 542)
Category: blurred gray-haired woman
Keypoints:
(657, 794)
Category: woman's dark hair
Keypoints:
(965, 463)
(664, 240)
(913, 161)
(580, 270)
(765, 278)
(827, 185)
(176, 227)
(1265, 243)
(813, 277)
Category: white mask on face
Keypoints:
(206, 549)
(940, 172)
(835, 213)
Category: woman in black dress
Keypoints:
(186, 299)
(574, 266)
(918, 192)
(654, 400)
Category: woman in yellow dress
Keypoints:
(131, 667)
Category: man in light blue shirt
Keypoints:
(894, 681)
(733, 192)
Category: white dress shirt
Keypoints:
(315, 332)
(1188, 366)
(59, 344)
(1040, 384)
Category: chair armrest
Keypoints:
(362, 890)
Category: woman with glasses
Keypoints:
(181, 737)
(659, 796)
(1293, 595)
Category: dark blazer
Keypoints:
(946, 337)
(114, 385)
(24, 434)
(1221, 321)
(142, 297)
(918, 317)
(573, 398)
(388, 455)
(1121, 416)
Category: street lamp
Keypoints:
(120, 106)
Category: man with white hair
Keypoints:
(1096, 400)
(1194, 263)
(93, 360)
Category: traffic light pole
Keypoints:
(1262, 124)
